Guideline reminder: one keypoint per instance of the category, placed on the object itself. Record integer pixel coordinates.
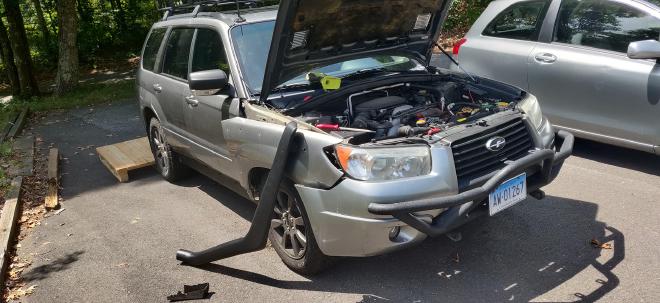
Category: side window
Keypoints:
(209, 52)
(604, 24)
(151, 48)
(520, 21)
(177, 52)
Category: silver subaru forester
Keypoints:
(389, 150)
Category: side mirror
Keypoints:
(207, 82)
(647, 49)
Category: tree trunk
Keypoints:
(45, 34)
(67, 65)
(8, 60)
(120, 15)
(21, 49)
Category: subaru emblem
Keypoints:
(495, 144)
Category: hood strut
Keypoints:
(256, 237)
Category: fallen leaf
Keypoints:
(122, 265)
(597, 244)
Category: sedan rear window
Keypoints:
(520, 21)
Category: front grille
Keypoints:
(472, 159)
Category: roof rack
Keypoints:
(194, 7)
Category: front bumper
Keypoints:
(354, 218)
(463, 207)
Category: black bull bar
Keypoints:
(462, 208)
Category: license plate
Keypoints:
(507, 194)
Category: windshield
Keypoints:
(252, 43)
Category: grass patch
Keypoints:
(5, 153)
(5, 149)
(86, 94)
(6, 115)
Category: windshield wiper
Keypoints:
(289, 87)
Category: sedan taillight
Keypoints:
(457, 46)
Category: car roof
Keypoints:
(230, 17)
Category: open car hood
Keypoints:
(315, 33)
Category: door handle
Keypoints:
(192, 101)
(545, 58)
(158, 88)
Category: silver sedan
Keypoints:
(593, 64)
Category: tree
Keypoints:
(8, 60)
(67, 64)
(20, 49)
(45, 34)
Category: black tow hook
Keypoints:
(256, 237)
(538, 194)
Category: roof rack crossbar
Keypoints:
(170, 8)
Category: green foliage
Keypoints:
(462, 15)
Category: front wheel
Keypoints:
(167, 162)
(291, 234)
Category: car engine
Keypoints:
(408, 110)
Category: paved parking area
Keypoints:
(116, 242)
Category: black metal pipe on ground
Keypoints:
(256, 237)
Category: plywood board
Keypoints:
(125, 156)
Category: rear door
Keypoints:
(172, 84)
(204, 114)
(500, 49)
(584, 79)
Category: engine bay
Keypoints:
(409, 110)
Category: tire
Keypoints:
(167, 161)
(298, 250)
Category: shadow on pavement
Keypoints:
(617, 156)
(59, 264)
(518, 255)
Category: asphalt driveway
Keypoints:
(116, 242)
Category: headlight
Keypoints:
(384, 163)
(530, 106)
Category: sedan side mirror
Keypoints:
(647, 49)
(207, 82)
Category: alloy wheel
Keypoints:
(161, 151)
(289, 226)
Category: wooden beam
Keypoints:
(10, 214)
(52, 197)
(18, 125)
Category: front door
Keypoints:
(585, 81)
(171, 85)
(204, 114)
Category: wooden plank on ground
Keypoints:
(10, 214)
(125, 156)
(52, 199)
(18, 125)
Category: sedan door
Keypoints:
(499, 43)
(584, 80)
(204, 113)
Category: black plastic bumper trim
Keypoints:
(462, 207)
